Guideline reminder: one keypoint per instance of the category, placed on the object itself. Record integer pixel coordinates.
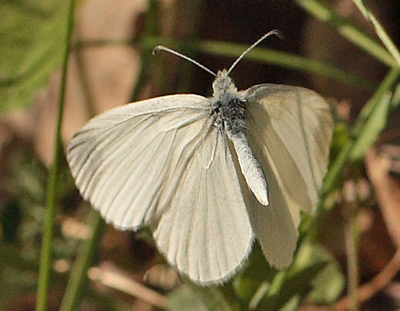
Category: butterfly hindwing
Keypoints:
(206, 232)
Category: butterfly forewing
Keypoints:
(289, 130)
(121, 159)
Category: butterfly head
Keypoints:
(223, 84)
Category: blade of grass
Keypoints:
(373, 128)
(233, 50)
(151, 29)
(77, 281)
(282, 59)
(78, 278)
(352, 235)
(336, 169)
(379, 30)
(350, 212)
(267, 56)
(348, 30)
(10, 256)
(51, 200)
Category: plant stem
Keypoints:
(51, 199)
(282, 59)
(348, 30)
(337, 166)
(233, 50)
(379, 30)
(351, 237)
(78, 277)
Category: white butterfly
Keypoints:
(207, 175)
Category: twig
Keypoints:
(127, 285)
(366, 291)
(379, 282)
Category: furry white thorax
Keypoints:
(228, 106)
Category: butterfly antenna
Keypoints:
(163, 48)
(273, 32)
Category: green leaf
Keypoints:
(289, 287)
(396, 97)
(372, 127)
(257, 273)
(336, 168)
(197, 298)
(329, 283)
(31, 46)
(282, 59)
(10, 220)
(314, 274)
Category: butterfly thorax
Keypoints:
(228, 106)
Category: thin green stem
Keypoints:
(337, 166)
(350, 211)
(348, 30)
(268, 56)
(233, 50)
(379, 30)
(151, 29)
(352, 233)
(51, 200)
(78, 278)
(282, 59)
(84, 79)
(96, 43)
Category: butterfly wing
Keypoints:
(289, 130)
(120, 159)
(207, 232)
(162, 162)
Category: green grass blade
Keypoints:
(337, 166)
(348, 30)
(379, 30)
(372, 127)
(262, 55)
(51, 200)
(282, 59)
(233, 50)
(78, 277)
